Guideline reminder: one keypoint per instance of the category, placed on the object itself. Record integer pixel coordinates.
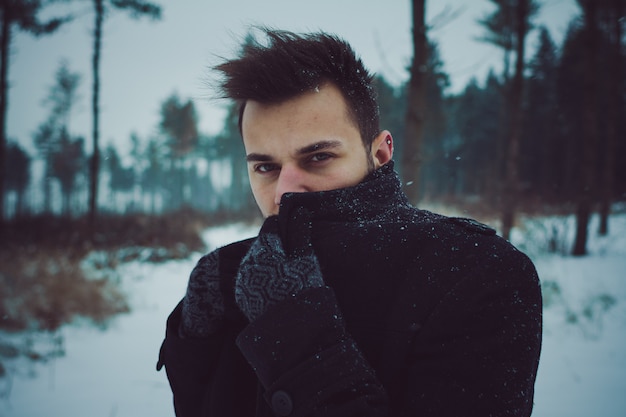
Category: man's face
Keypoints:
(308, 143)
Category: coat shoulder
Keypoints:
(462, 224)
(471, 225)
(463, 240)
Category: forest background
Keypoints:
(543, 133)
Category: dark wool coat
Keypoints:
(421, 315)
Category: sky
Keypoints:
(143, 62)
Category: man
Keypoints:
(350, 302)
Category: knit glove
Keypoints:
(271, 272)
(203, 304)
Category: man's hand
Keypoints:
(203, 305)
(269, 274)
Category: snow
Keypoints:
(582, 370)
(111, 372)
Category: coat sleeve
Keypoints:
(307, 363)
(190, 365)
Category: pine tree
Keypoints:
(475, 119)
(137, 9)
(179, 123)
(436, 167)
(53, 135)
(540, 162)
(590, 127)
(570, 101)
(23, 15)
(507, 28)
(230, 148)
(153, 176)
(416, 104)
(121, 178)
(68, 162)
(614, 12)
(17, 172)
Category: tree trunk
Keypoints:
(414, 118)
(47, 188)
(546, 191)
(511, 185)
(67, 193)
(20, 203)
(610, 146)
(494, 183)
(588, 166)
(5, 42)
(95, 157)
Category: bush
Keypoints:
(55, 268)
(41, 290)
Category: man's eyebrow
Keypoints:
(319, 146)
(258, 157)
(305, 150)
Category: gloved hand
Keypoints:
(271, 272)
(203, 304)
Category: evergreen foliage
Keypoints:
(17, 174)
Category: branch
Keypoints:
(44, 28)
(139, 8)
(445, 17)
(25, 15)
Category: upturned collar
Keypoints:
(372, 197)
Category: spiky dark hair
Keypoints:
(290, 64)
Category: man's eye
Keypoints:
(265, 168)
(319, 157)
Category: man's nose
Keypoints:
(290, 180)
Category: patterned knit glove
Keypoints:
(268, 274)
(203, 305)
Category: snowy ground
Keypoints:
(111, 372)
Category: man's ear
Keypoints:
(382, 148)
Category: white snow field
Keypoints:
(111, 372)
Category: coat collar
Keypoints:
(375, 195)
